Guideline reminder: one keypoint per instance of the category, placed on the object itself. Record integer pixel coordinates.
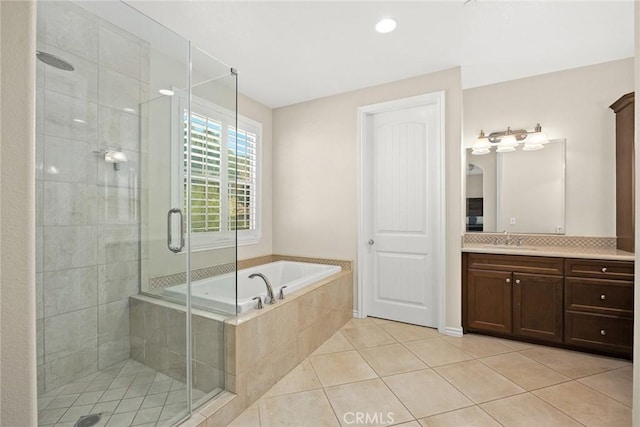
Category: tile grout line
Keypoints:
(378, 377)
(428, 366)
(580, 354)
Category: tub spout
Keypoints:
(272, 299)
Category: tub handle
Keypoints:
(281, 296)
(175, 249)
(259, 306)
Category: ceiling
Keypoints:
(294, 51)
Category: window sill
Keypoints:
(224, 244)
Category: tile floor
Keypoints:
(399, 374)
(126, 394)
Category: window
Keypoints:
(224, 176)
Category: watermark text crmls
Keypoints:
(364, 418)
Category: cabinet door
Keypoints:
(538, 306)
(489, 300)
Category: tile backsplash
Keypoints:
(544, 240)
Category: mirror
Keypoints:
(518, 192)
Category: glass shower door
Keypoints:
(189, 204)
(160, 325)
(211, 164)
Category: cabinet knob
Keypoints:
(603, 297)
(508, 280)
(604, 269)
(603, 332)
(518, 281)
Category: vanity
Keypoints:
(578, 298)
(523, 277)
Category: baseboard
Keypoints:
(452, 332)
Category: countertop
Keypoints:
(553, 251)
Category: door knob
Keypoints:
(517, 281)
(371, 242)
(508, 280)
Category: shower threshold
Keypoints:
(126, 394)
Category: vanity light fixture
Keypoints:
(508, 140)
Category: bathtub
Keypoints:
(218, 292)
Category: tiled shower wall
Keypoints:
(88, 218)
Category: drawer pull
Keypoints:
(603, 297)
(518, 281)
(603, 332)
(604, 269)
(508, 280)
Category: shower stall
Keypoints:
(137, 162)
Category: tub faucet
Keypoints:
(272, 299)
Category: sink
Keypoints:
(514, 247)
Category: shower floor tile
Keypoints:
(126, 394)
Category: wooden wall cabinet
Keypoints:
(577, 303)
(625, 171)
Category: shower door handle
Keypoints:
(175, 249)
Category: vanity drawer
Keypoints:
(599, 269)
(599, 331)
(516, 263)
(603, 296)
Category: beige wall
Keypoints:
(17, 215)
(474, 185)
(571, 104)
(315, 175)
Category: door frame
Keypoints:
(364, 114)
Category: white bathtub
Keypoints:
(218, 292)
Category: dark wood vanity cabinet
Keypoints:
(538, 311)
(515, 295)
(599, 304)
(577, 303)
(490, 300)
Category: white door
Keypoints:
(402, 221)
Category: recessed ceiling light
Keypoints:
(166, 92)
(79, 121)
(386, 25)
(128, 110)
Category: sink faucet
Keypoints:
(507, 238)
(272, 299)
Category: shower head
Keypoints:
(54, 61)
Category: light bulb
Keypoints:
(505, 149)
(480, 151)
(386, 25)
(508, 141)
(532, 147)
(536, 138)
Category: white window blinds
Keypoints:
(224, 176)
